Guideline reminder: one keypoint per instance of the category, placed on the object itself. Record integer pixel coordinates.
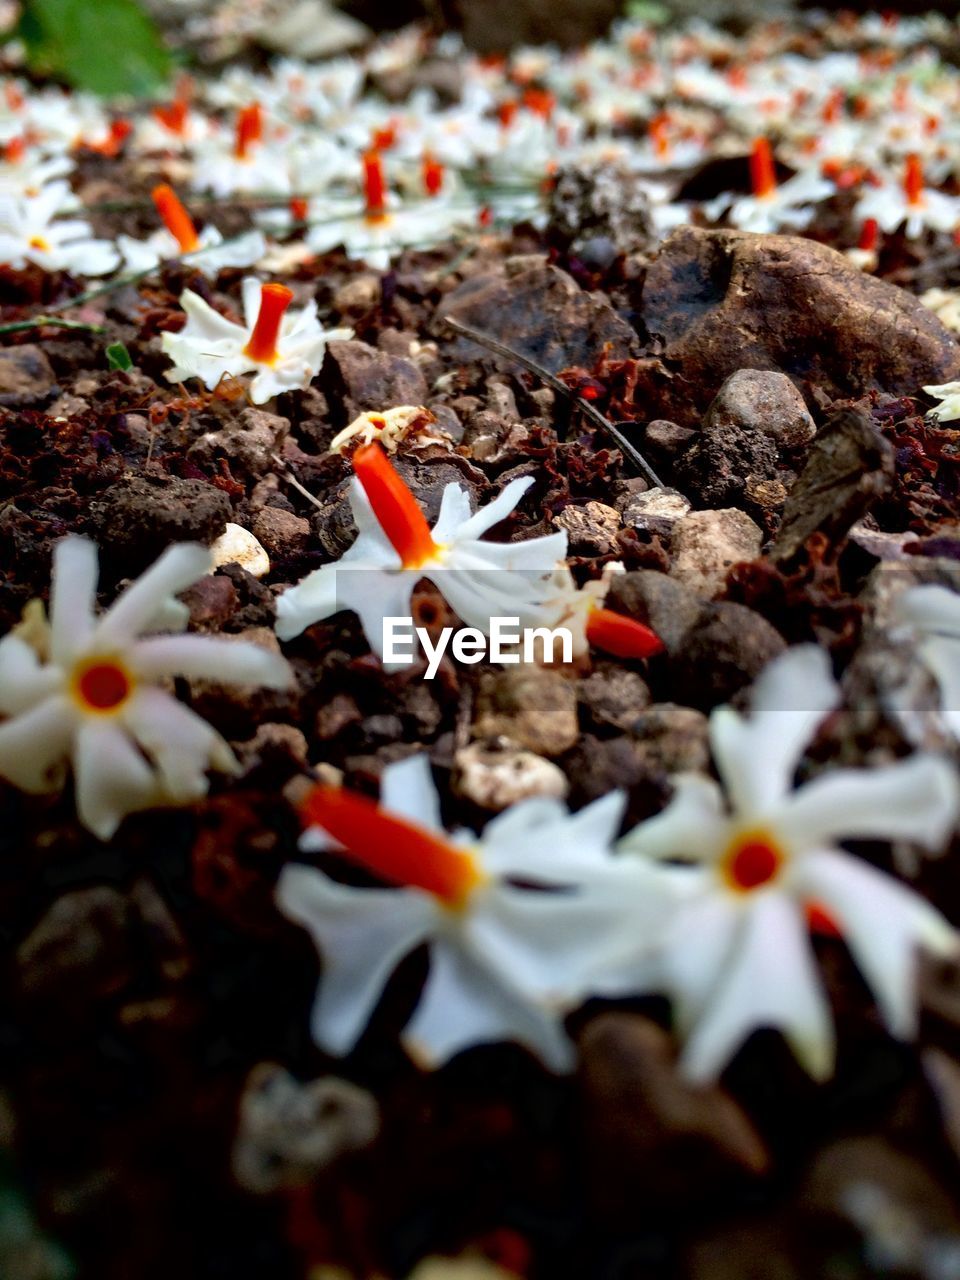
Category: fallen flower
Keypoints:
(85, 690)
(179, 238)
(284, 349)
(396, 548)
(502, 958)
(932, 613)
(31, 231)
(736, 956)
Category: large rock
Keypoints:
(358, 378)
(539, 310)
(719, 301)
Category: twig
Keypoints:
(294, 483)
(590, 411)
(50, 322)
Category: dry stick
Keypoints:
(294, 483)
(595, 416)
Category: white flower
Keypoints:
(31, 232)
(581, 612)
(284, 349)
(91, 695)
(396, 548)
(932, 613)
(773, 205)
(179, 238)
(948, 393)
(736, 955)
(910, 203)
(504, 961)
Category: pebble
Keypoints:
(495, 775)
(142, 514)
(357, 378)
(237, 545)
(723, 653)
(673, 738)
(706, 544)
(281, 532)
(26, 376)
(533, 706)
(248, 443)
(656, 511)
(764, 401)
(591, 529)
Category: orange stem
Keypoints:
(249, 129)
(763, 175)
(374, 186)
(394, 849)
(621, 636)
(869, 234)
(397, 510)
(913, 180)
(274, 300)
(432, 173)
(175, 217)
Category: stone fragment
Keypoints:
(26, 376)
(533, 706)
(237, 545)
(282, 533)
(764, 401)
(656, 511)
(142, 514)
(605, 203)
(538, 309)
(358, 378)
(613, 695)
(673, 738)
(706, 544)
(670, 608)
(724, 653)
(494, 775)
(248, 443)
(591, 529)
(849, 467)
(718, 301)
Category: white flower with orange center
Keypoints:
(32, 231)
(773, 205)
(736, 955)
(505, 961)
(245, 163)
(396, 548)
(910, 203)
(581, 611)
(932, 614)
(179, 238)
(88, 690)
(283, 349)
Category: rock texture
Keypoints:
(716, 301)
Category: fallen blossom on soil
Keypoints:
(737, 956)
(502, 958)
(932, 613)
(284, 349)
(396, 548)
(178, 238)
(88, 691)
(31, 230)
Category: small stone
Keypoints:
(613, 695)
(723, 653)
(591, 529)
(768, 495)
(237, 545)
(26, 376)
(357, 295)
(673, 738)
(289, 1132)
(670, 608)
(274, 742)
(706, 544)
(601, 203)
(533, 706)
(667, 439)
(357, 378)
(496, 775)
(248, 443)
(211, 601)
(650, 1134)
(765, 401)
(656, 511)
(282, 533)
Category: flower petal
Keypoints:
(692, 828)
(770, 981)
(930, 607)
(200, 657)
(918, 800)
(493, 512)
(361, 935)
(757, 758)
(138, 607)
(35, 744)
(111, 777)
(454, 513)
(24, 681)
(73, 594)
(181, 745)
(407, 791)
(883, 922)
(540, 839)
(463, 1005)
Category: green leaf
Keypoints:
(109, 47)
(118, 357)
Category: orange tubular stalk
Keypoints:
(173, 117)
(432, 173)
(620, 636)
(394, 849)
(913, 181)
(869, 235)
(299, 208)
(274, 300)
(249, 130)
(175, 217)
(397, 510)
(374, 187)
(763, 175)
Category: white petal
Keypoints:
(137, 608)
(251, 291)
(883, 923)
(941, 656)
(757, 758)
(493, 512)
(454, 512)
(930, 607)
(375, 594)
(463, 1005)
(692, 828)
(23, 680)
(541, 840)
(311, 600)
(207, 325)
(35, 744)
(407, 791)
(209, 658)
(181, 745)
(918, 800)
(696, 947)
(73, 593)
(771, 981)
(362, 935)
(111, 777)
